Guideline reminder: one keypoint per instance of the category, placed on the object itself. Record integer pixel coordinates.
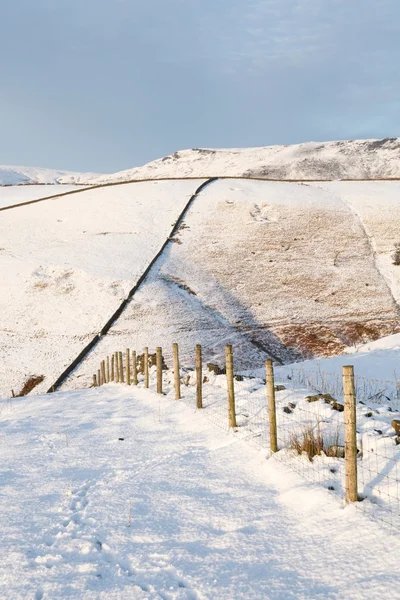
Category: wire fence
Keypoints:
(310, 418)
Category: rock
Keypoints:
(287, 410)
(328, 400)
(327, 397)
(292, 405)
(239, 377)
(335, 451)
(313, 398)
(396, 426)
(216, 369)
(205, 379)
(280, 388)
(368, 414)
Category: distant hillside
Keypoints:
(287, 270)
(359, 159)
(12, 175)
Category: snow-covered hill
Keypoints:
(359, 159)
(277, 269)
(14, 175)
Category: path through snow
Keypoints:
(119, 493)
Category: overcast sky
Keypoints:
(105, 85)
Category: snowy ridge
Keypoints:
(15, 175)
(358, 159)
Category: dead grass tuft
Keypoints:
(309, 440)
(30, 384)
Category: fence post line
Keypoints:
(146, 367)
(108, 369)
(350, 434)
(134, 368)
(99, 376)
(177, 375)
(94, 380)
(117, 377)
(270, 379)
(112, 368)
(159, 369)
(199, 377)
(231, 387)
(121, 368)
(103, 371)
(128, 366)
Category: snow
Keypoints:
(354, 159)
(16, 175)
(284, 269)
(68, 263)
(288, 266)
(11, 195)
(116, 492)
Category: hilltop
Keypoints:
(16, 175)
(358, 159)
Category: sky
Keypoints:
(106, 85)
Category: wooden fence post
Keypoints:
(134, 368)
(177, 375)
(108, 369)
(159, 369)
(350, 434)
(128, 366)
(112, 368)
(117, 378)
(94, 380)
(273, 437)
(199, 377)
(121, 368)
(146, 367)
(103, 371)
(231, 387)
(99, 376)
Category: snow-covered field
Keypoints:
(119, 493)
(16, 194)
(68, 263)
(270, 267)
(280, 269)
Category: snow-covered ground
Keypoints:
(354, 159)
(119, 493)
(15, 194)
(282, 265)
(66, 266)
(281, 269)
(16, 175)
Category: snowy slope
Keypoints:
(115, 493)
(12, 175)
(277, 269)
(15, 194)
(66, 266)
(284, 270)
(359, 159)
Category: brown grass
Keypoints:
(309, 441)
(30, 384)
(41, 285)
